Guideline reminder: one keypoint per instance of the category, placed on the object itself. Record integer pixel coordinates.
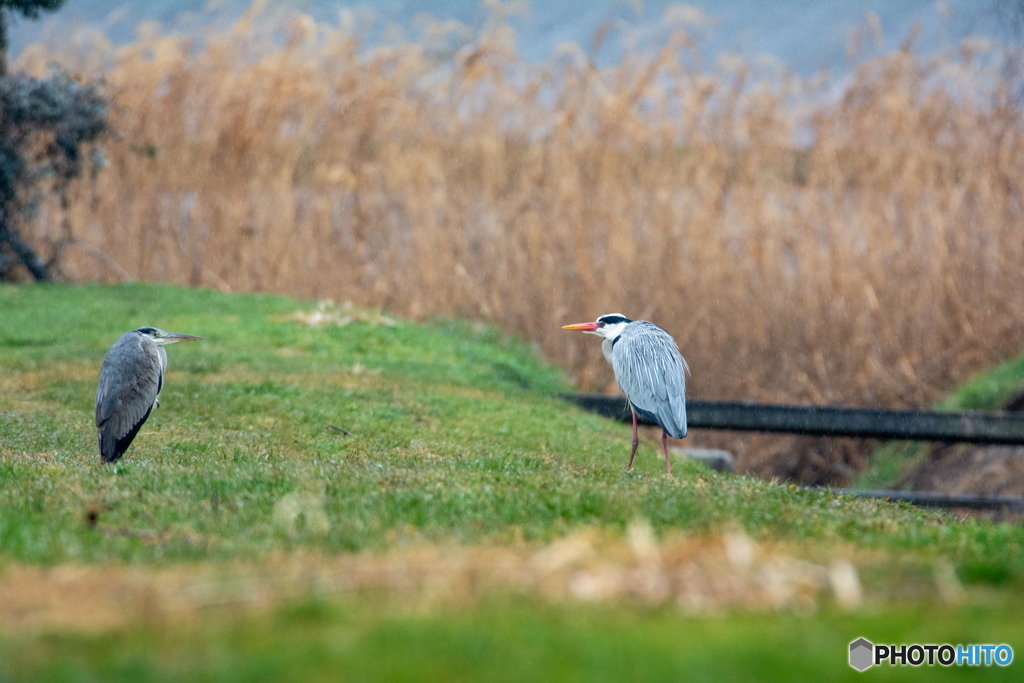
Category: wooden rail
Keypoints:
(938, 500)
(864, 423)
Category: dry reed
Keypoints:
(877, 263)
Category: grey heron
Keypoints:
(131, 378)
(650, 371)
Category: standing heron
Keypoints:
(131, 378)
(650, 371)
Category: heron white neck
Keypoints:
(606, 349)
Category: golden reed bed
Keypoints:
(802, 243)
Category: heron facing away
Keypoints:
(131, 378)
(650, 371)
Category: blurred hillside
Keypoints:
(806, 36)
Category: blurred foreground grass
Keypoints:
(498, 640)
(461, 468)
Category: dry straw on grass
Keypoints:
(699, 576)
(876, 263)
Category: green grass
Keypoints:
(457, 438)
(988, 390)
(510, 640)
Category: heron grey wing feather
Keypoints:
(130, 379)
(650, 371)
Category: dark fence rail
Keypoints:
(939, 500)
(864, 423)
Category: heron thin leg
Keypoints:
(636, 442)
(664, 444)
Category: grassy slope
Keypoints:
(988, 390)
(456, 439)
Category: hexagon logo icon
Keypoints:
(861, 654)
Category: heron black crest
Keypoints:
(613, 319)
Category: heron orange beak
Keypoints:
(582, 327)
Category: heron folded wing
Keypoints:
(129, 383)
(649, 370)
(678, 411)
(135, 404)
(106, 402)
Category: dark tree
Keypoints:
(44, 126)
(30, 9)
